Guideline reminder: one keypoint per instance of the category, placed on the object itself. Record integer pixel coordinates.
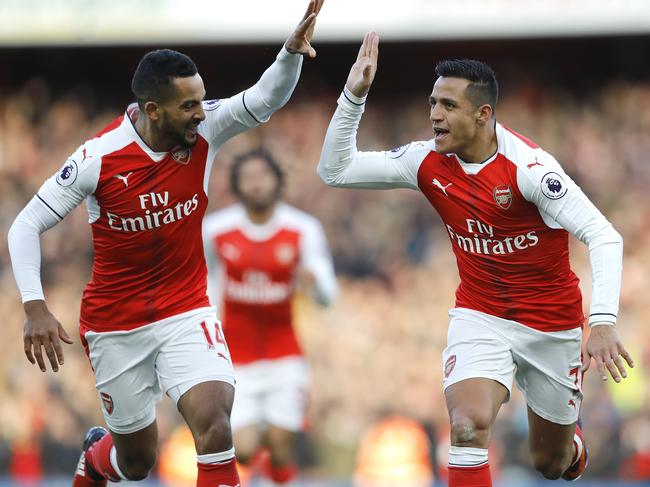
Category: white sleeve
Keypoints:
(25, 247)
(562, 202)
(316, 258)
(231, 116)
(59, 195)
(341, 165)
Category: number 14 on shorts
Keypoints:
(218, 338)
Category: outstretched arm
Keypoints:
(341, 164)
(231, 116)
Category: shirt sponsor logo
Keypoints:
(502, 196)
(481, 240)
(257, 288)
(553, 186)
(158, 212)
(68, 174)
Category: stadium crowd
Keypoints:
(377, 350)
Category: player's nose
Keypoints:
(199, 115)
(435, 114)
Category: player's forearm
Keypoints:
(340, 144)
(25, 251)
(275, 86)
(606, 258)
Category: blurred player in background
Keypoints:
(508, 208)
(146, 320)
(258, 251)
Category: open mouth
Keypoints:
(440, 133)
(192, 129)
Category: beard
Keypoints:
(177, 136)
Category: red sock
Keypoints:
(470, 476)
(284, 474)
(98, 457)
(218, 474)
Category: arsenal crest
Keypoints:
(449, 365)
(107, 400)
(503, 196)
(182, 156)
(284, 253)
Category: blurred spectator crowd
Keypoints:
(377, 351)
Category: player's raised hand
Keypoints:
(43, 333)
(299, 42)
(606, 349)
(363, 70)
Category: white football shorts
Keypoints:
(132, 368)
(547, 366)
(271, 392)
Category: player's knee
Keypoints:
(137, 467)
(550, 465)
(469, 428)
(215, 435)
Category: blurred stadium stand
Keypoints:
(582, 93)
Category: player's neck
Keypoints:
(150, 136)
(483, 147)
(260, 216)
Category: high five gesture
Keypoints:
(363, 70)
(299, 42)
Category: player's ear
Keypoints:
(152, 109)
(484, 114)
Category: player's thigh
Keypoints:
(476, 350)
(128, 386)
(549, 372)
(286, 398)
(193, 352)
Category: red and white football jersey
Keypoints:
(508, 220)
(145, 209)
(255, 268)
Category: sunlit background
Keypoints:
(575, 77)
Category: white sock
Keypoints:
(464, 456)
(214, 458)
(578, 449)
(116, 467)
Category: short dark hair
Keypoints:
(483, 87)
(153, 76)
(260, 153)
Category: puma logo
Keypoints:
(437, 183)
(124, 179)
(533, 164)
(85, 156)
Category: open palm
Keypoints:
(363, 70)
